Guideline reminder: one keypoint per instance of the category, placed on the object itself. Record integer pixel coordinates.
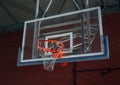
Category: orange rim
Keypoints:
(51, 50)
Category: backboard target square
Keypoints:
(65, 38)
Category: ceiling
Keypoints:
(13, 13)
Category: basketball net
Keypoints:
(50, 50)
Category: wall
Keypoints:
(101, 72)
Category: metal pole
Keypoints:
(86, 3)
(36, 33)
(46, 10)
(83, 34)
(88, 26)
(37, 9)
(76, 4)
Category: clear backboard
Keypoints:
(80, 31)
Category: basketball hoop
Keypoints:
(50, 50)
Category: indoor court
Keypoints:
(59, 42)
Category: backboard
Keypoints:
(80, 31)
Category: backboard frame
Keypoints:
(104, 54)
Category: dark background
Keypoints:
(101, 72)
